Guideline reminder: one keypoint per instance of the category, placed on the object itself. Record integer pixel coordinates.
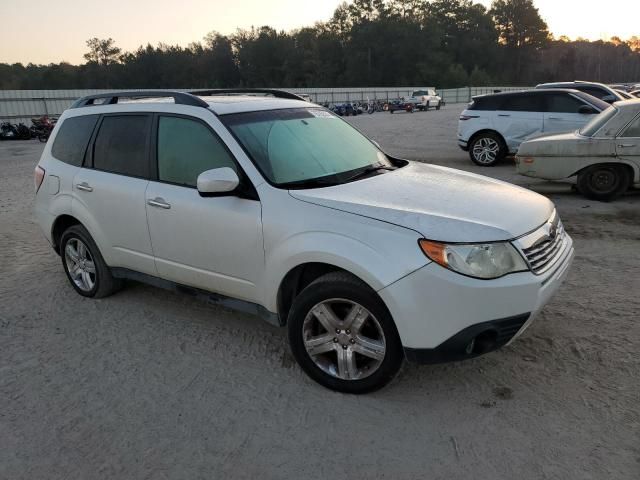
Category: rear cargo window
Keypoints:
(71, 141)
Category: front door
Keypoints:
(562, 113)
(628, 144)
(212, 243)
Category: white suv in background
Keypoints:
(493, 126)
(278, 207)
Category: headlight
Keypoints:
(482, 260)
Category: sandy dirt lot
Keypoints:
(151, 384)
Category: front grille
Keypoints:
(546, 250)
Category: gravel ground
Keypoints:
(152, 384)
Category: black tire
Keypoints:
(604, 182)
(104, 282)
(341, 285)
(438, 107)
(490, 150)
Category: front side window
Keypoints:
(121, 145)
(71, 141)
(304, 144)
(597, 122)
(186, 148)
(633, 130)
(562, 103)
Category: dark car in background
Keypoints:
(597, 90)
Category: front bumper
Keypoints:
(437, 310)
(464, 145)
(471, 342)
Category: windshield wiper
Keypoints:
(327, 181)
(368, 170)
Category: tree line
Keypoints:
(444, 43)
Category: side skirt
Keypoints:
(214, 298)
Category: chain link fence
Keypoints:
(21, 105)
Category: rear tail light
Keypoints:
(38, 177)
(467, 117)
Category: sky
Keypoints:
(40, 31)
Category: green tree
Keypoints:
(102, 52)
(521, 30)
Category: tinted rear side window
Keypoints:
(522, 103)
(121, 145)
(72, 139)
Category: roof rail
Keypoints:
(266, 91)
(180, 98)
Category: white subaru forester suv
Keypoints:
(271, 205)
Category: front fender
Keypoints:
(376, 267)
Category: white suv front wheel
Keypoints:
(343, 336)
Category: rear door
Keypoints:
(562, 112)
(628, 145)
(109, 191)
(519, 116)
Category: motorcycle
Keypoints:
(8, 131)
(41, 128)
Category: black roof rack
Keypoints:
(237, 91)
(180, 98)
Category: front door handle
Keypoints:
(159, 203)
(84, 186)
(503, 115)
(626, 145)
(555, 118)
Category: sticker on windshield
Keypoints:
(316, 112)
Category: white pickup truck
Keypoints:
(425, 99)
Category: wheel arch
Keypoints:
(632, 169)
(299, 277)
(60, 224)
(487, 130)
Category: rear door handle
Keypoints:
(555, 118)
(158, 203)
(627, 145)
(84, 186)
(503, 115)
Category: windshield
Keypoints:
(301, 145)
(598, 122)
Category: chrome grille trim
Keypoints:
(543, 247)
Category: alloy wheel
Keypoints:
(344, 339)
(486, 150)
(80, 264)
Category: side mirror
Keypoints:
(218, 181)
(609, 98)
(587, 110)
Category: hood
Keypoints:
(566, 145)
(440, 203)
